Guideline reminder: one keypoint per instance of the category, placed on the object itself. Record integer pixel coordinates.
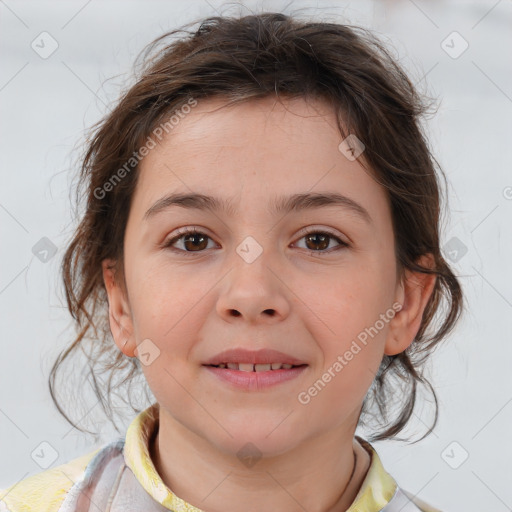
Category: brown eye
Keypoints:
(191, 240)
(318, 242)
(195, 241)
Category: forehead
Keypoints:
(243, 128)
(255, 150)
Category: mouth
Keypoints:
(254, 370)
(249, 377)
(248, 367)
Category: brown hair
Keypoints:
(239, 59)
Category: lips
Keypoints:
(248, 367)
(254, 360)
(254, 381)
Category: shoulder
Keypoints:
(44, 491)
(380, 491)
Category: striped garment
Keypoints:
(120, 476)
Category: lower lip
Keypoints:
(254, 381)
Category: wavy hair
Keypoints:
(240, 59)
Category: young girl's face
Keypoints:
(251, 279)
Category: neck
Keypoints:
(318, 476)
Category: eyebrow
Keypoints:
(279, 205)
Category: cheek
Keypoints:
(168, 306)
(169, 314)
(351, 298)
(355, 313)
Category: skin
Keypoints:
(193, 305)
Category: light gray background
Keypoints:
(45, 106)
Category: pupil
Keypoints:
(323, 240)
(194, 235)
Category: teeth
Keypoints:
(248, 367)
(262, 367)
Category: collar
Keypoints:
(376, 490)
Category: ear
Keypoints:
(413, 294)
(120, 318)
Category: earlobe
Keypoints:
(413, 293)
(120, 320)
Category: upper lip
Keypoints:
(262, 356)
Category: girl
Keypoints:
(261, 237)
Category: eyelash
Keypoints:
(193, 231)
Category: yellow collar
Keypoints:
(376, 490)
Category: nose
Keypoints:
(255, 293)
